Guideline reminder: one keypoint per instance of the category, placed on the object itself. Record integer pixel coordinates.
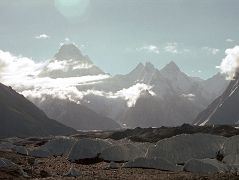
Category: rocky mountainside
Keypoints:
(224, 110)
(178, 99)
(21, 118)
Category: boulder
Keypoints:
(122, 153)
(21, 150)
(232, 159)
(181, 148)
(154, 163)
(87, 149)
(40, 153)
(205, 166)
(6, 146)
(59, 146)
(231, 146)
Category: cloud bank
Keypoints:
(17, 67)
(230, 64)
(22, 74)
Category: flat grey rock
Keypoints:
(40, 153)
(6, 146)
(182, 148)
(87, 149)
(59, 146)
(231, 146)
(205, 166)
(155, 163)
(122, 153)
(21, 150)
(232, 159)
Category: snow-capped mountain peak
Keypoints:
(70, 62)
(71, 52)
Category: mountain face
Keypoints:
(178, 97)
(69, 62)
(151, 111)
(75, 115)
(224, 110)
(173, 104)
(21, 118)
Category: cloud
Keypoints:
(72, 93)
(132, 93)
(230, 64)
(150, 49)
(172, 48)
(17, 67)
(22, 74)
(190, 97)
(65, 65)
(212, 51)
(229, 40)
(42, 36)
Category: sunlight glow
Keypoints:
(72, 8)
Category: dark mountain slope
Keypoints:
(76, 115)
(20, 117)
(224, 110)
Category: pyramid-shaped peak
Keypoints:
(171, 66)
(69, 51)
(149, 66)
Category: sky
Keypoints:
(118, 34)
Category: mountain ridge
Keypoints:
(20, 117)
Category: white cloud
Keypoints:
(230, 64)
(229, 40)
(83, 66)
(132, 93)
(70, 92)
(42, 36)
(57, 65)
(190, 97)
(67, 39)
(22, 74)
(13, 67)
(65, 65)
(172, 48)
(150, 49)
(212, 51)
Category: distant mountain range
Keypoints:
(179, 98)
(145, 97)
(21, 118)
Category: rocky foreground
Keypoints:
(96, 156)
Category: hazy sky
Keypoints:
(118, 34)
